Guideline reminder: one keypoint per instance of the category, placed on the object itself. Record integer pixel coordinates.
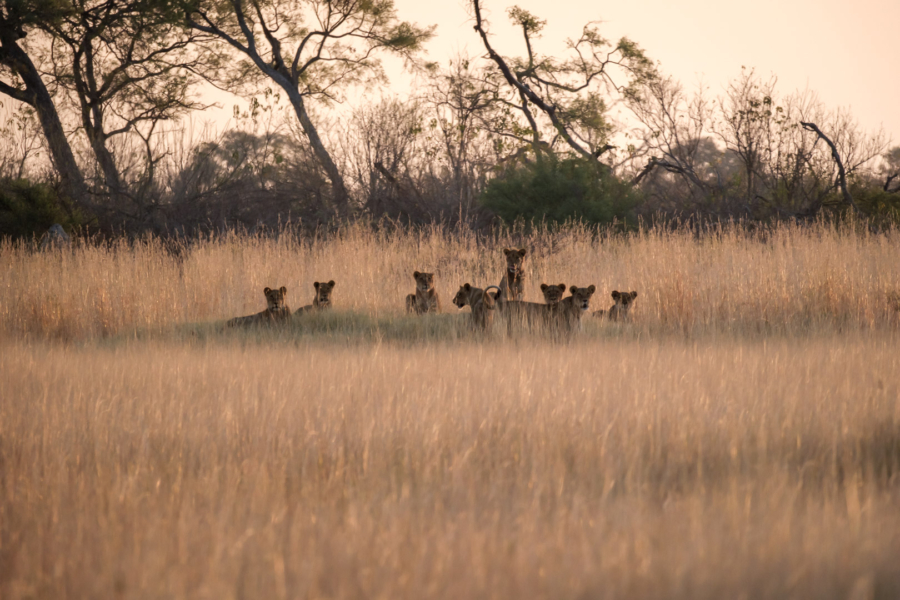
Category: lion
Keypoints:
(570, 309)
(426, 298)
(512, 286)
(481, 301)
(553, 293)
(530, 314)
(619, 310)
(322, 299)
(276, 311)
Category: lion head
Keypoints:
(323, 291)
(275, 299)
(461, 298)
(515, 260)
(581, 297)
(553, 293)
(624, 299)
(424, 281)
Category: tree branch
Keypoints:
(842, 175)
(20, 95)
(523, 89)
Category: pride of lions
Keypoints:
(557, 311)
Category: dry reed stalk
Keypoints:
(625, 469)
(789, 279)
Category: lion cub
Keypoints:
(426, 298)
(276, 310)
(512, 286)
(619, 310)
(322, 300)
(481, 301)
(570, 309)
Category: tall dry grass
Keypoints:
(763, 469)
(739, 439)
(785, 278)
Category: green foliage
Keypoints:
(875, 202)
(531, 24)
(558, 190)
(29, 209)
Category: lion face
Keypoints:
(275, 298)
(624, 299)
(553, 293)
(323, 291)
(462, 296)
(424, 281)
(581, 297)
(515, 259)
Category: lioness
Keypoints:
(277, 310)
(512, 286)
(570, 309)
(529, 314)
(553, 293)
(322, 299)
(481, 301)
(426, 298)
(619, 310)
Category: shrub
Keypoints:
(29, 209)
(558, 190)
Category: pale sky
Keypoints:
(846, 52)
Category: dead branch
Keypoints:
(842, 174)
(402, 189)
(671, 168)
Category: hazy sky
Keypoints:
(846, 52)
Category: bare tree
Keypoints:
(673, 129)
(783, 172)
(377, 143)
(842, 173)
(461, 102)
(312, 49)
(890, 170)
(747, 112)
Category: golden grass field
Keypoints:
(739, 439)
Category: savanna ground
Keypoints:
(739, 439)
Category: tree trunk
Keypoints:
(37, 96)
(105, 159)
(341, 197)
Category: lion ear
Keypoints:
(331, 283)
(592, 288)
(615, 295)
(467, 287)
(316, 284)
(415, 273)
(562, 287)
(284, 290)
(522, 251)
(506, 251)
(544, 287)
(634, 294)
(573, 289)
(266, 291)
